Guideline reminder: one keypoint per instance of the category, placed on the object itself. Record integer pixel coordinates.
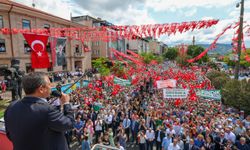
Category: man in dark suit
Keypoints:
(190, 145)
(220, 141)
(159, 135)
(33, 124)
(134, 129)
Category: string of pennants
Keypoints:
(128, 32)
(234, 42)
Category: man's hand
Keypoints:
(65, 99)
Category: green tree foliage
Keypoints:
(213, 65)
(236, 94)
(171, 53)
(102, 66)
(217, 78)
(194, 50)
(148, 57)
(243, 62)
(118, 69)
(182, 60)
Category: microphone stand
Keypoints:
(80, 78)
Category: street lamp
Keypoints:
(237, 65)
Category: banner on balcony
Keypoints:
(60, 52)
(170, 83)
(209, 94)
(122, 82)
(175, 93)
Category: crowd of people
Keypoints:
(138, 117)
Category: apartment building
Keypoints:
(101, 48)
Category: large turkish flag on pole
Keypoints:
(39, 55)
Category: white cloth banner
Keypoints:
(175, 93)
(166, 83)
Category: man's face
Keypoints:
(45, 89)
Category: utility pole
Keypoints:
(237, 65)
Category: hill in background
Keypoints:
(221, 49)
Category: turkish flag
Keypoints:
(39, 55)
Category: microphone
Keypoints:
(56, 93)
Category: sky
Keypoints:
(141, 12)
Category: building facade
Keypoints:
(14, 15)
(101, 48)
(138, 45)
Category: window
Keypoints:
(77, 50)
(26, 24)
(2, 45)
(27, 48)
(95, 43)
(1, 22)
(47, 26)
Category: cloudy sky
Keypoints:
(138, 12)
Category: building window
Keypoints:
(27, 48)
(77, 50)
(2, 45)
(1, 22)
(47, 26)
(26, 24)
(95, 43)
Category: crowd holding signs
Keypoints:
(162, 106)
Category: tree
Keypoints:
(194, 50)
(236, 94)
(182, 60)
(243, 62)
(118, 69)
(214, 74)
(102, 66)
(219, 82)
(171, 53)
(148, 57)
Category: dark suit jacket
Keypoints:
(162, 135)
(186, 147)
(33, 124)
(217, 143)
(136, 127)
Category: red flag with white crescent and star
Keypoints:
(39, 55)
